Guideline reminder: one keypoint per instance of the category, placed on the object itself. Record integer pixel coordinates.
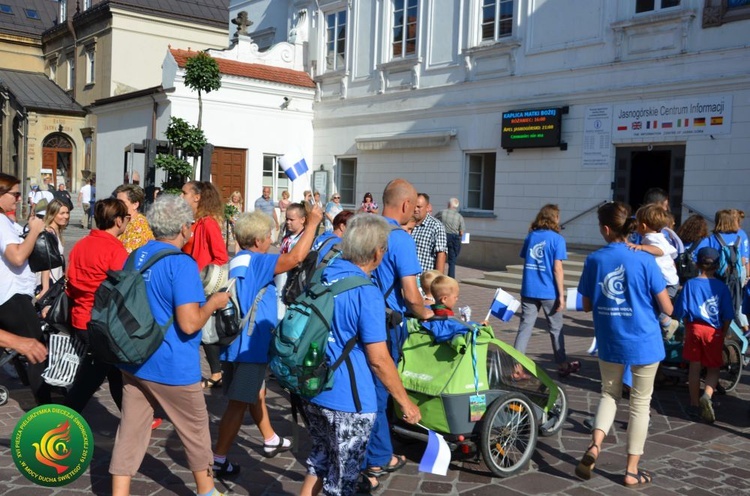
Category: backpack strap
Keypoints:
(336, 288)
(250, 316)
(130, 263)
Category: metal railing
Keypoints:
(588, 210)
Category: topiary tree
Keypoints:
(186, 141)
(202, 75)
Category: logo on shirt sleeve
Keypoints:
(613, 286)
(710, 308)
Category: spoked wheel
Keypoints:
(4, 394)
(731, 372)
(553, 420)
(509, 434)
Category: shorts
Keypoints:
(704, 344)
(243, 381)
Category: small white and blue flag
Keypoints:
(294, 165)
(437, 456)
(504, 305)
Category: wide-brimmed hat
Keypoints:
(214, 277)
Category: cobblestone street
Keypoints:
(686, 458)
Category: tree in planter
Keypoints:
(186, 141)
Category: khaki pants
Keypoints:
(640, 401)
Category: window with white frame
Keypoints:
(497, 19)
(71, 71)
(654, 5)
(346, 180)
(480, 181)
(63, 11)
(274, 176)
(336, 40)
(90, 66)
(404, 28)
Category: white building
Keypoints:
(657, 93)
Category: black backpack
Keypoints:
(686, 266)
(298, 279)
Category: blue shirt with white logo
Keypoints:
(253, 272)
(704, 300)
(540, 250)
(621, 285)
(357, 312)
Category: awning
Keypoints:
(400, 141)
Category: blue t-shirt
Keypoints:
(744, 245)
(621, 285)
(252, 272)
(746, 299)
(322, 244)
(399, 261)
(540, 250)
(171, 282)
(704, 300)
(359, 311)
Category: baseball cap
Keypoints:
(708, 256)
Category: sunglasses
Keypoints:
(336, 197)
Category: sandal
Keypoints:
(642, 477)
(364, 486)
(270, 450)
(588, 462)
(388, 469)
(571, 368)
(208, 383)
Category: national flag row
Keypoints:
(696, 122)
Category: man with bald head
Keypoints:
(396, 276)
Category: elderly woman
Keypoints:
(137, 233)
(17, 313)
(340, 431)
(620, 286)
(90, 260)
(171, 377)
(245, 360)
(333, 208)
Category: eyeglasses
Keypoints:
(15, 194)
(127, 217)
(336, 197)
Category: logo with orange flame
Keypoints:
(52, 445)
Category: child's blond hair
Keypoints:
(426, 279)
(655, 217)
(443, 286)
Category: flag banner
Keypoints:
(294, 165)
(504, 305)
(437, 456)
(574, 300)
(466, 238)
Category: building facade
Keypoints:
(642, 94)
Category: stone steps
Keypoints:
(510, 279)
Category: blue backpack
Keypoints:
(730, 269)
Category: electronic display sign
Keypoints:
(534, 128)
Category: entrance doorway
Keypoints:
(638, 169)
(57, 154)
(228, 172)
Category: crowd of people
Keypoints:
(630, 285)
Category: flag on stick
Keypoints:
(293, 164)
(573, 300)
(503, 305)
(437, 456)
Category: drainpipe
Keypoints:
(72, 31)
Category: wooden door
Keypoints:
(228, 172)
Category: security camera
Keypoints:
(285, 103)
(286, 98)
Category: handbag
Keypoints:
(59, 304)
(65, 354)
(46, 254)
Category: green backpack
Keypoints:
(122, 329)
(309, 320)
